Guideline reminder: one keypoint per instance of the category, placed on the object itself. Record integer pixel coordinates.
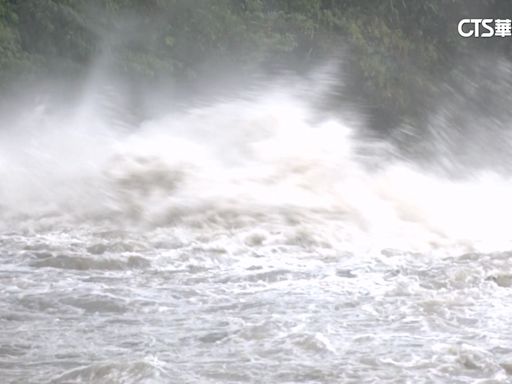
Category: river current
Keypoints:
(245, 241)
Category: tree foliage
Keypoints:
(399, 49)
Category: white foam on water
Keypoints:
(266, 156)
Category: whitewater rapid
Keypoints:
(248, 240)
(270, 154)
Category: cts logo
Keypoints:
(474, 27)
(485, 27)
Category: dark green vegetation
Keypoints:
(399, 50)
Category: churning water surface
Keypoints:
(245, 241)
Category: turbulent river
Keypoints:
(246, 241)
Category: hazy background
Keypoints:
(398, 55)
(401, 63)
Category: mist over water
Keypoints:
(254, 238)
(268, 154)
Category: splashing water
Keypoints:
(269, 157)
(208, 244)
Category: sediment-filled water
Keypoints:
(246, 241)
